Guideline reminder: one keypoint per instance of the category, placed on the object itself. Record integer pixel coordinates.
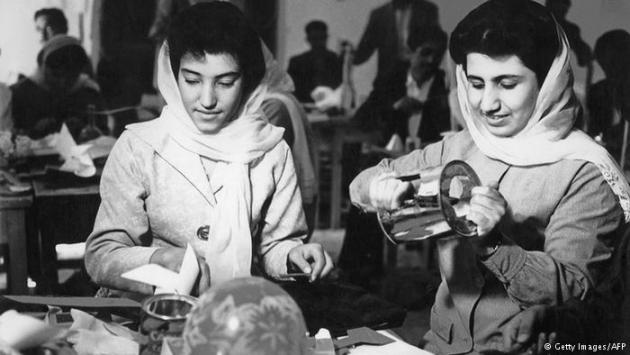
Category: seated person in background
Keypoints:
(283, 110)
(560, 9)
(57, 93)
(425, 110)
(210, 171)
(553, 205)
(316, 67)
(609, 98)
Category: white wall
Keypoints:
(347, 19)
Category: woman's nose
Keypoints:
(490, 101)
(208, 97)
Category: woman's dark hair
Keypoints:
(217, 28)
(508, 27)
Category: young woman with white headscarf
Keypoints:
(210, 171)
(553, 205)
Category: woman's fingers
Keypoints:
(387, 192)
(311, 258)
(487, 207)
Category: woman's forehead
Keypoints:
(209, 64)
(484, 66)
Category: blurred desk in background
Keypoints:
(13, 235)
(59, 209)
(62, 212)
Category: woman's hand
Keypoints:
(311, 258)
(387, 192)
(528, 330)
(487, 207)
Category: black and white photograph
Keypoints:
(314, 177)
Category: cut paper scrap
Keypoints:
(165, 280)
(24, 332)
(76, 157)
(397, 347)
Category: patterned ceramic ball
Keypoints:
(245, 316)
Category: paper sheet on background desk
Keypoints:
(76, 158)
(165, 280)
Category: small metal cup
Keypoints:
(163, 315)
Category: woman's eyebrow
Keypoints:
(228, 74)
(507, 76)
(188, 71)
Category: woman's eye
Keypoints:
(476, 84)
(508, 84)
(191, 81)
(227, 84)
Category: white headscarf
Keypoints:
(237, 144)
(549, 135)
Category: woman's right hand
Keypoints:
(387, 192)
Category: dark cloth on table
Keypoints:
(312, 69)
(33, 103)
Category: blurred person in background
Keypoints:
(58, 92)
(284, 110)
(425, 109)
(609, 98)
(316, 67)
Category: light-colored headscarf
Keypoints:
(549, 135)
(234, 147)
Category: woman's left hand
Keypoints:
(311, 258)
(487, 207)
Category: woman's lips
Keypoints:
(208, 113)
(496, 120)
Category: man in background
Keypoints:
(316, 67)
(387, 34)
(50, 22)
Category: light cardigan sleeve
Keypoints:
(283, 223)
(120, 239)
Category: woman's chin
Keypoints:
(502, 131)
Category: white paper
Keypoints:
(23, 332)
(76, 157)
(168, 281)
(398, 347)
(326, 98)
